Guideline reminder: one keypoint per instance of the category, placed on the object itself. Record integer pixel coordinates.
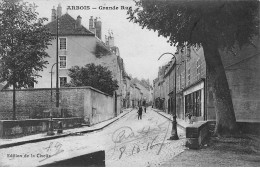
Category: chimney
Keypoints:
(95, 22)
(78, 22)
(91, 25)
(91, 22)
(98, 29)
(53, 14)
(59, 10)
(106, 40)
(110, 39)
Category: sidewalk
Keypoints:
(181, 123)
(221, 152)
(241, 151)
(5, 143)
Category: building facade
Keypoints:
(193, 94)
(79, 46)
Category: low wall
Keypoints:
(86, 102)
(196, 134)
(249, 127)
(243, 127)
(18, 128)
(102, 107)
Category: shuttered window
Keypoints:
(63, 62)
(63, 43)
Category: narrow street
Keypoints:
(127, 142)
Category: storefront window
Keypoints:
(193, 103)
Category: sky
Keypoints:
(139, 48)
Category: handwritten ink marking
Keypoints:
(122, 150)
(125, 135)
(49, 147)
(163, 139)
(151, 147)
(147, 147)
(56, 148)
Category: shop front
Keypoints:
(194, 101)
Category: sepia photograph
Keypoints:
(129, 83)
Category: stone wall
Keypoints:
(86, 102)
(243, 74)
(18, 128)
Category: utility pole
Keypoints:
(57, 65)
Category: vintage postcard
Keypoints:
(129, 83)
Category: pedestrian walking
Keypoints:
(140, 112)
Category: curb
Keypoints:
(59, 136)
(87, 131)
(169, 119)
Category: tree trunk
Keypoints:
(225, 116)
(14, 109)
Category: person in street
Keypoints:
(140, 112)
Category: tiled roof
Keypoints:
(67, 27)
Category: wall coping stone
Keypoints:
(38, 119)
(63, 88)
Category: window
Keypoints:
(63, 43)
(63, 81)
(198, 69)
(193, 103)
(183, 80)
(188, 53)
(188, 76)
(63, 62)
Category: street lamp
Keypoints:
(50, 130)
(51, 79)
(174, 134)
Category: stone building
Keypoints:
(190, 82)
(144, 94)
(193, 94)
(78, 45)
(126, 94)
(160, 90)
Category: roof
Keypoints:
(140, 83)
(121, 66)
(67, 27)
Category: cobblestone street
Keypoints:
(127, 142)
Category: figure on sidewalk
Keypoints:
(140, 111)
